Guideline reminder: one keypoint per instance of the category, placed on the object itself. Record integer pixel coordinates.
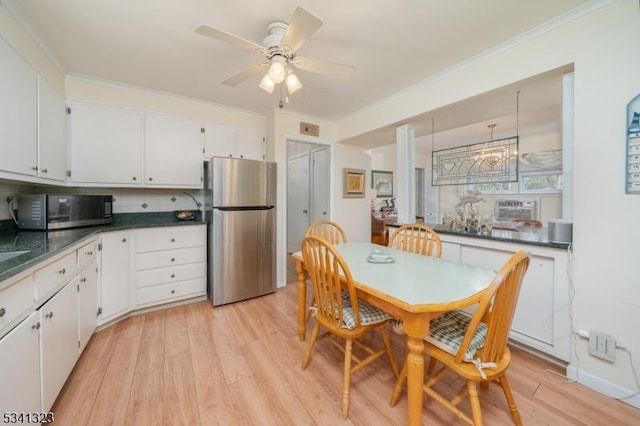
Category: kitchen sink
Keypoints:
(11, 254)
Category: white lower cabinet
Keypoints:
(150, 266)
(542, 319)
(170, 264)
(20, 367)
(534, 311)
(88, 304)
(59, 336)
(114, 275)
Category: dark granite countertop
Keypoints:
(527, 235)
(43, 245)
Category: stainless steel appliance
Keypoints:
(48, 211)
(240, 206)
(560, 231)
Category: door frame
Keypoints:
(288, 148)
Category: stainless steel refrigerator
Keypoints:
(240, 206)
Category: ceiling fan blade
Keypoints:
(302, 25)
(324, 67)
(245, 74)
(234, 40)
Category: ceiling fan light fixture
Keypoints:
(267, 84)
(293, 82)
(277, 69)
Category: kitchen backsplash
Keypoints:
(126, 200)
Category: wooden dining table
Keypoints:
(414, 288)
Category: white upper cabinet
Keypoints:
(106, 145)
(172, 151)
(251, 144)
(52, 133)
(219, 141)
(226, 141)
(122, 147)
(18, 113)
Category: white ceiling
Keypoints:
(392, 45)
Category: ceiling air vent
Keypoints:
(309, 129)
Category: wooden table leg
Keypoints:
(302, 301)
(415, 329)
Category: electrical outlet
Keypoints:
(602, 346)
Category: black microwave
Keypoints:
(48, 212)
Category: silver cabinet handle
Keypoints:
(89, 253)
(135, 178)
(304, 211)
(62, 271)
(173, 292)
(36, 326)
(124, 240)
(173, 275)
(2, 312)
(83, 280)
(173, 240)
(150, 179)
(173, 259)
(49, 315)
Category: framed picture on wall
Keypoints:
(353, 183)
(382, 182)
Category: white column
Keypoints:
(567, 146)
(405, 174)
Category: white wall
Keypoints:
(354, 214)
(602, 45)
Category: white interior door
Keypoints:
(297, 200)
(319, 184)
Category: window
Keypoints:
(530, 183)
(541, 183)
(495, 188)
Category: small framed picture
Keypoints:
(382, 182)
(353, 183)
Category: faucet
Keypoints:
(194, 199)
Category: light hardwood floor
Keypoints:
(240, 364)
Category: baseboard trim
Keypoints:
(603, 386)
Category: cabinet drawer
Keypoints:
(54, 274)
(15, 300)
(160, 259)
(153, 277)
(167, 292)
(86, 255)
(170, 237)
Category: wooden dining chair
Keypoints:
(329, 230)
(341, 314)
(475, 346)
(416, 238)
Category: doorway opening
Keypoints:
(308, 188)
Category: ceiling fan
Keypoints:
(280, 49)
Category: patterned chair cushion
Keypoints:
(447, 332)
(369, 314)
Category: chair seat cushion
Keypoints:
(447, 332)
(369, 314)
